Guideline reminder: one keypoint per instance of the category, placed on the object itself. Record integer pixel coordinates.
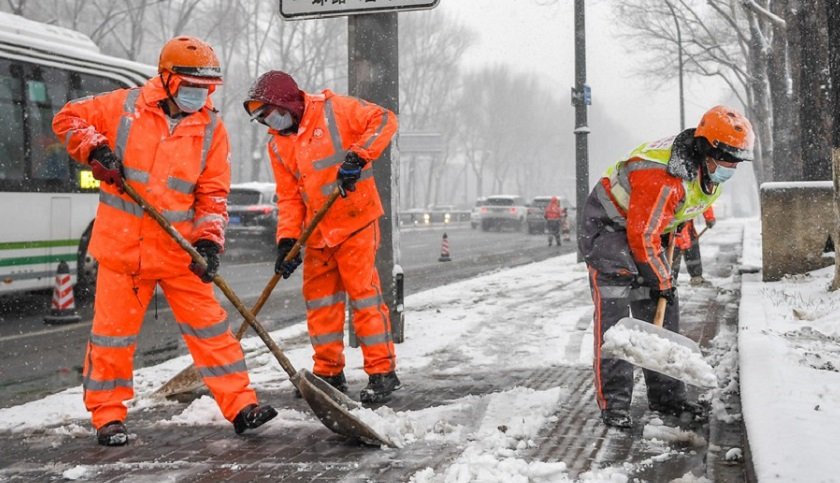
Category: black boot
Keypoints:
(686, 411)
(549, 240)
(337, 381)
(253, 416)
(112, 434)
(617, 418)
(380, 387)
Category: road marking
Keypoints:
(63, 328)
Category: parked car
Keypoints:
(475, 213)
(252, 209)
(536, 210)
(502, 211)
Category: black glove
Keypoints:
(106, 167)
(668, 294)
(710, 223)
(281, 266)
(210, 252)
(349, 172)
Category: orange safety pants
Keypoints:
(120, 306)
(331, 274)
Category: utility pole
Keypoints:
(680, 57)
(581, 97)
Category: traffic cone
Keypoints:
(444, 250)
(63, 309)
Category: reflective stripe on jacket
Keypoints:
(185, 174)
(306, 164)
(641, 196)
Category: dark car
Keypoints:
(252, 209)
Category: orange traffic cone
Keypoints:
(63, 309)
(444, 250)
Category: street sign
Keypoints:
(585, 96)
(420, 142)
(303, 9)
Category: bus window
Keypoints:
(12, 161)
(82, 85)
(46, 93)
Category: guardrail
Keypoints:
(433, 217)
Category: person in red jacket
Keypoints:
(319, 142)
(629, 220)
(167, 141)
(553, 215)
(688, 244)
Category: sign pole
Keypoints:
(374, 75)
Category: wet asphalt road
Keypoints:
(38, 359)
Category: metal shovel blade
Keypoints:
(333, 409)
(658, 349)
(185, 382)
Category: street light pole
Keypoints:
(680, 56)
(580, 98)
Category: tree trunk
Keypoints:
(787, 156)
(759, 86)
(833, 16)
(815, 113)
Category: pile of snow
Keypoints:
(659, 354)
(656, 429)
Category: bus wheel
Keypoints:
(86, 270)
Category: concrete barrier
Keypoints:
(797, 218)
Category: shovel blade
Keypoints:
(186, 381)
(333, 408)
(658, 349)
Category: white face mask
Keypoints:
(721, 174)
(277, 121)
(191, 99)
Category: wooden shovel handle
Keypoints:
(659, 317)
(319, 215)
(218, 280)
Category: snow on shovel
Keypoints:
(332, 408)
(653, 347)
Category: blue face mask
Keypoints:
(191, 99)
(721, 174)
(277, 121)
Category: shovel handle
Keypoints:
(218, 280)
(659, 317)
(319, 215)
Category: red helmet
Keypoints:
(729, 134)
(276, 88)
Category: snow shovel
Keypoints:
(653, 347)
(331, 407)
(189, 380)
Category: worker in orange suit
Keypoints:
(553, 215)
(688, 247)
(167, 141)
(319, 142)
(628, 223)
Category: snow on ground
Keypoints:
(789, 345)
(788, 349)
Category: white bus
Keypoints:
(47, 201)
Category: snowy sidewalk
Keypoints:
(789, 348)
(498, 387)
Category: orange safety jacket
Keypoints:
(306, 164)
(184, 173)
(553, 210)
(641, 195)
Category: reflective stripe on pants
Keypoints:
(348, 268)
(615, 297)
(120, 305)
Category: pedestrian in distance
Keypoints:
(553, 215)
(628, 221)
(320, 141)
(688, 247)
(166, 140)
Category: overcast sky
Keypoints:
(538, 36)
